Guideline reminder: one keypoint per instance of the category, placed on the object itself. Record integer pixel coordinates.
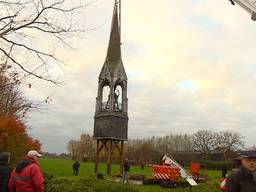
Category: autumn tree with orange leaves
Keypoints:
(14, 137)
(13, 108)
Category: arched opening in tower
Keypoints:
(118, 98)
(105, 103)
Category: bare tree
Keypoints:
(12, 100)
(74, 149)
(203, 141)
(87, 149)
(22, 20)
(252, 148)
(228, 142)
(82, 149)
(180, 142)
(151, 149)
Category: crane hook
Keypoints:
(232, 2)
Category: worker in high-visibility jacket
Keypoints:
(223, 183)
(27, 176)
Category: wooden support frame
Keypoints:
(109, 146)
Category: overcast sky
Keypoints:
(190, 66)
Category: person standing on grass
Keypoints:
(126, 169)
(142, 165)
(244, 179)
(27, 176)
(76, 167)
(224, 171)
(5, 171)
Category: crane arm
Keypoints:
(248, 5)
(169, 160)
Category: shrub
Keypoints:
(216, 165)
(59, 184)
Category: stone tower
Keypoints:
(111, 118)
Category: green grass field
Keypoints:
(63, 168)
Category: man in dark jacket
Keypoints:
(224, 171)
(76, 167)
(27, 177)
(126, 169)
(5, 171)
(244, 179)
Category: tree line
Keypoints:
(204, 142)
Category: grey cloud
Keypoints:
(223, 56)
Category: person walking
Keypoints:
(142, 165)
(76, 167)
(27, 176)
(224, 171)
(244, 179)
(5, 171)
(126, 169)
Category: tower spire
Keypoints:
(111, 114)
(120, 20)
(114, 47)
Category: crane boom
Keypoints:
(248, 5)
(169, 160)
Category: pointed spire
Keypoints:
(114, 46)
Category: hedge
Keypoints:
(59, 184)
(217, 165)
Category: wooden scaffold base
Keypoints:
(109, 145)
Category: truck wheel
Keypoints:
(148, 181)
(183, 184)
(168, 184)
